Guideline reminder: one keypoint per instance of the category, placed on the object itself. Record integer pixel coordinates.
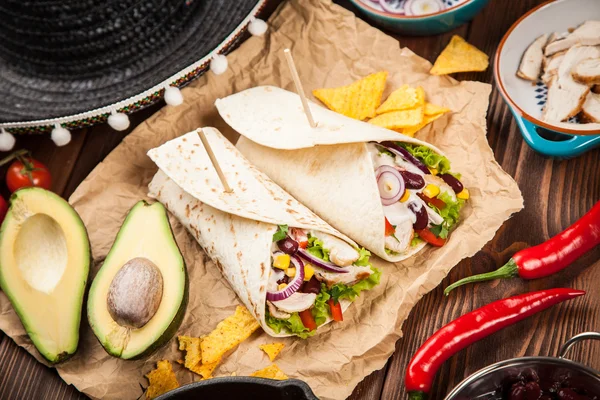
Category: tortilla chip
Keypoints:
(272, 349)
(404, 98)
(460, 56)
(399, 119)
(427, 119)
(359, 100)
(432, 109)
(162, 379)
(193, 357)
(270, 372)
(227, 335)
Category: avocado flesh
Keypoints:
(44, 265)
(145, 233)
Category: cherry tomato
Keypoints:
(430, 238)
(3, 209)
(307, 320)
(389, 228)
(27, 172)
(336, 310)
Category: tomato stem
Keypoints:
(508, 270)
(416, 395)
(13, 155)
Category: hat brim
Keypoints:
(33, 105)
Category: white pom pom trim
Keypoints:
(218, 64)
(7, 140)
(257, 27)
(60, 136)
(118, 121)
(173, 96)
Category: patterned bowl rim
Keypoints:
(369, 9)
(511, 101)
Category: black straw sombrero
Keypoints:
(66, 64)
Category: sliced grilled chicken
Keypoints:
(587, 71)
(565, 96)
(353, 275)
(531, 63)
(587, 34)
(296, 302)
(590, 111)
(400, 240)
(275, 312)
(551, 66)
(340, 252)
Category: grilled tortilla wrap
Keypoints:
(237, 229)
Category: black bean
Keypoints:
(412, 180)
(454, 183)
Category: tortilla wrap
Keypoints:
(235, 229)
(328, 168)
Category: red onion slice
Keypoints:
(393, 6)
(390, 183)
(294, 284)
(402, 152)
(320, 263)
(423, 7)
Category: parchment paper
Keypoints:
(331, 47)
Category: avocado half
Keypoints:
(145, 234)
(44, 265)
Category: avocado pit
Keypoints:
(135, 293)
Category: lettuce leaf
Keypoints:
(320, 310)
(315, 247)
(415, 240)
(281, 233)
(450, 213)
(293, 325)
(363, 258)
(341, 291)
(428, 156)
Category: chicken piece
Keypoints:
(340, 252)
(590, 112)
(565, 96)
(399, 242)
(531, 63)
(554, 36)
(587, 34)
(353, 275)
(551, 66)
(276, 313)
(439, 182)
(587, 72)
(296, 302)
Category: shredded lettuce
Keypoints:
(293, 325)
(415, 240)
(384, 151)
(315, 247)
(281, 233)
(428, 156)
(320, 310)
(390, 252)
(363, 258)
(341, 291)
(450, 213)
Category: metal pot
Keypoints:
(483, 384)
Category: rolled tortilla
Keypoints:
(328, 168)
(235, 229)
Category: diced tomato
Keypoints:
(303, 245)
(336, 310)
(300, 236)
(430, 238)
(433, 201)
(307, 320)
(389, 228)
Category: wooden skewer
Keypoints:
(213, 160)
(299, 89)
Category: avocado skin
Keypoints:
(177, 320)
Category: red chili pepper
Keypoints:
(472, 327)
(336, 310)
(549, 257)
(430, 238)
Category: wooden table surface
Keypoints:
(556, 194)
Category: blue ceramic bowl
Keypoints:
(526, 100)
(456, 13)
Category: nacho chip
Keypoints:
(404, 98)
(399, 119)
(460, 56)
(432, 109)
(270, 372)
(272, 349)
(193, 357)
(359, 100)
(162, 379)
(427, 119)
(227, 335)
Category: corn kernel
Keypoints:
(282, 261)
(433, 171)
(282, 286)
(464, 194)
(309, 271)
(405, 196)
(291, 272)
(431, 191)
